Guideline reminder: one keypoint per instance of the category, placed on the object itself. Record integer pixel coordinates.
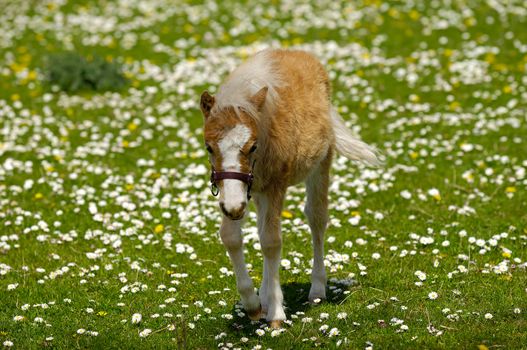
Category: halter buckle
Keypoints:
(213, 187)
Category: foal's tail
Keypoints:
(350, 146)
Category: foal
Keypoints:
(271, 125)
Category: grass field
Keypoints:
(105, 209)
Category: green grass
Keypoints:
(394, 77)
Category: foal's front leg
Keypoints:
(269, 208)
(231, 236)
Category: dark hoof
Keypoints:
(255, 315)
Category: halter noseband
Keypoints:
(216, 176)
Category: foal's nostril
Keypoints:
(242, 206)
(222, 206)
(236, 212)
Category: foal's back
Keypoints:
(300, 130)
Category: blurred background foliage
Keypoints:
(72, 72)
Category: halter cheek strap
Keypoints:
(216, 176)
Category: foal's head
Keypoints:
(231, 139)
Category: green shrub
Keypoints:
(72, 72)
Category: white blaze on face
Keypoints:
(234, 193)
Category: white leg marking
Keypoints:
(231, 237)
(275, 309)
(271, 241)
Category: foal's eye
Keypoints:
(253, 148)
(209, 149)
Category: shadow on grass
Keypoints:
(295, 301)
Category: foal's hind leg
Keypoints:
(231, 236)
(316, 210)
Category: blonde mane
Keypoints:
(245, 81)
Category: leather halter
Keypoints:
(216, 176)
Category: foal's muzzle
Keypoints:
(236, 214)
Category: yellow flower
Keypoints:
(470, 22)
(490, 58)
(159, 228)
(454, 105)
(510, 189)
(125, 143)
(132, 126)
(15, 67)
(506, 255)
(507, 89)
(38, 195)
(482, 347)
(500, 67)
(26, 58)
(102, 313)
(393, 13)
(297, 41)
(188, 28)
(287, 214)
(129, 187)
(31, 75)
(414, 15)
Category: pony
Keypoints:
(272, 125)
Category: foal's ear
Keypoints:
(258, 98)
(206, 103)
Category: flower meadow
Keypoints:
(108, 233)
